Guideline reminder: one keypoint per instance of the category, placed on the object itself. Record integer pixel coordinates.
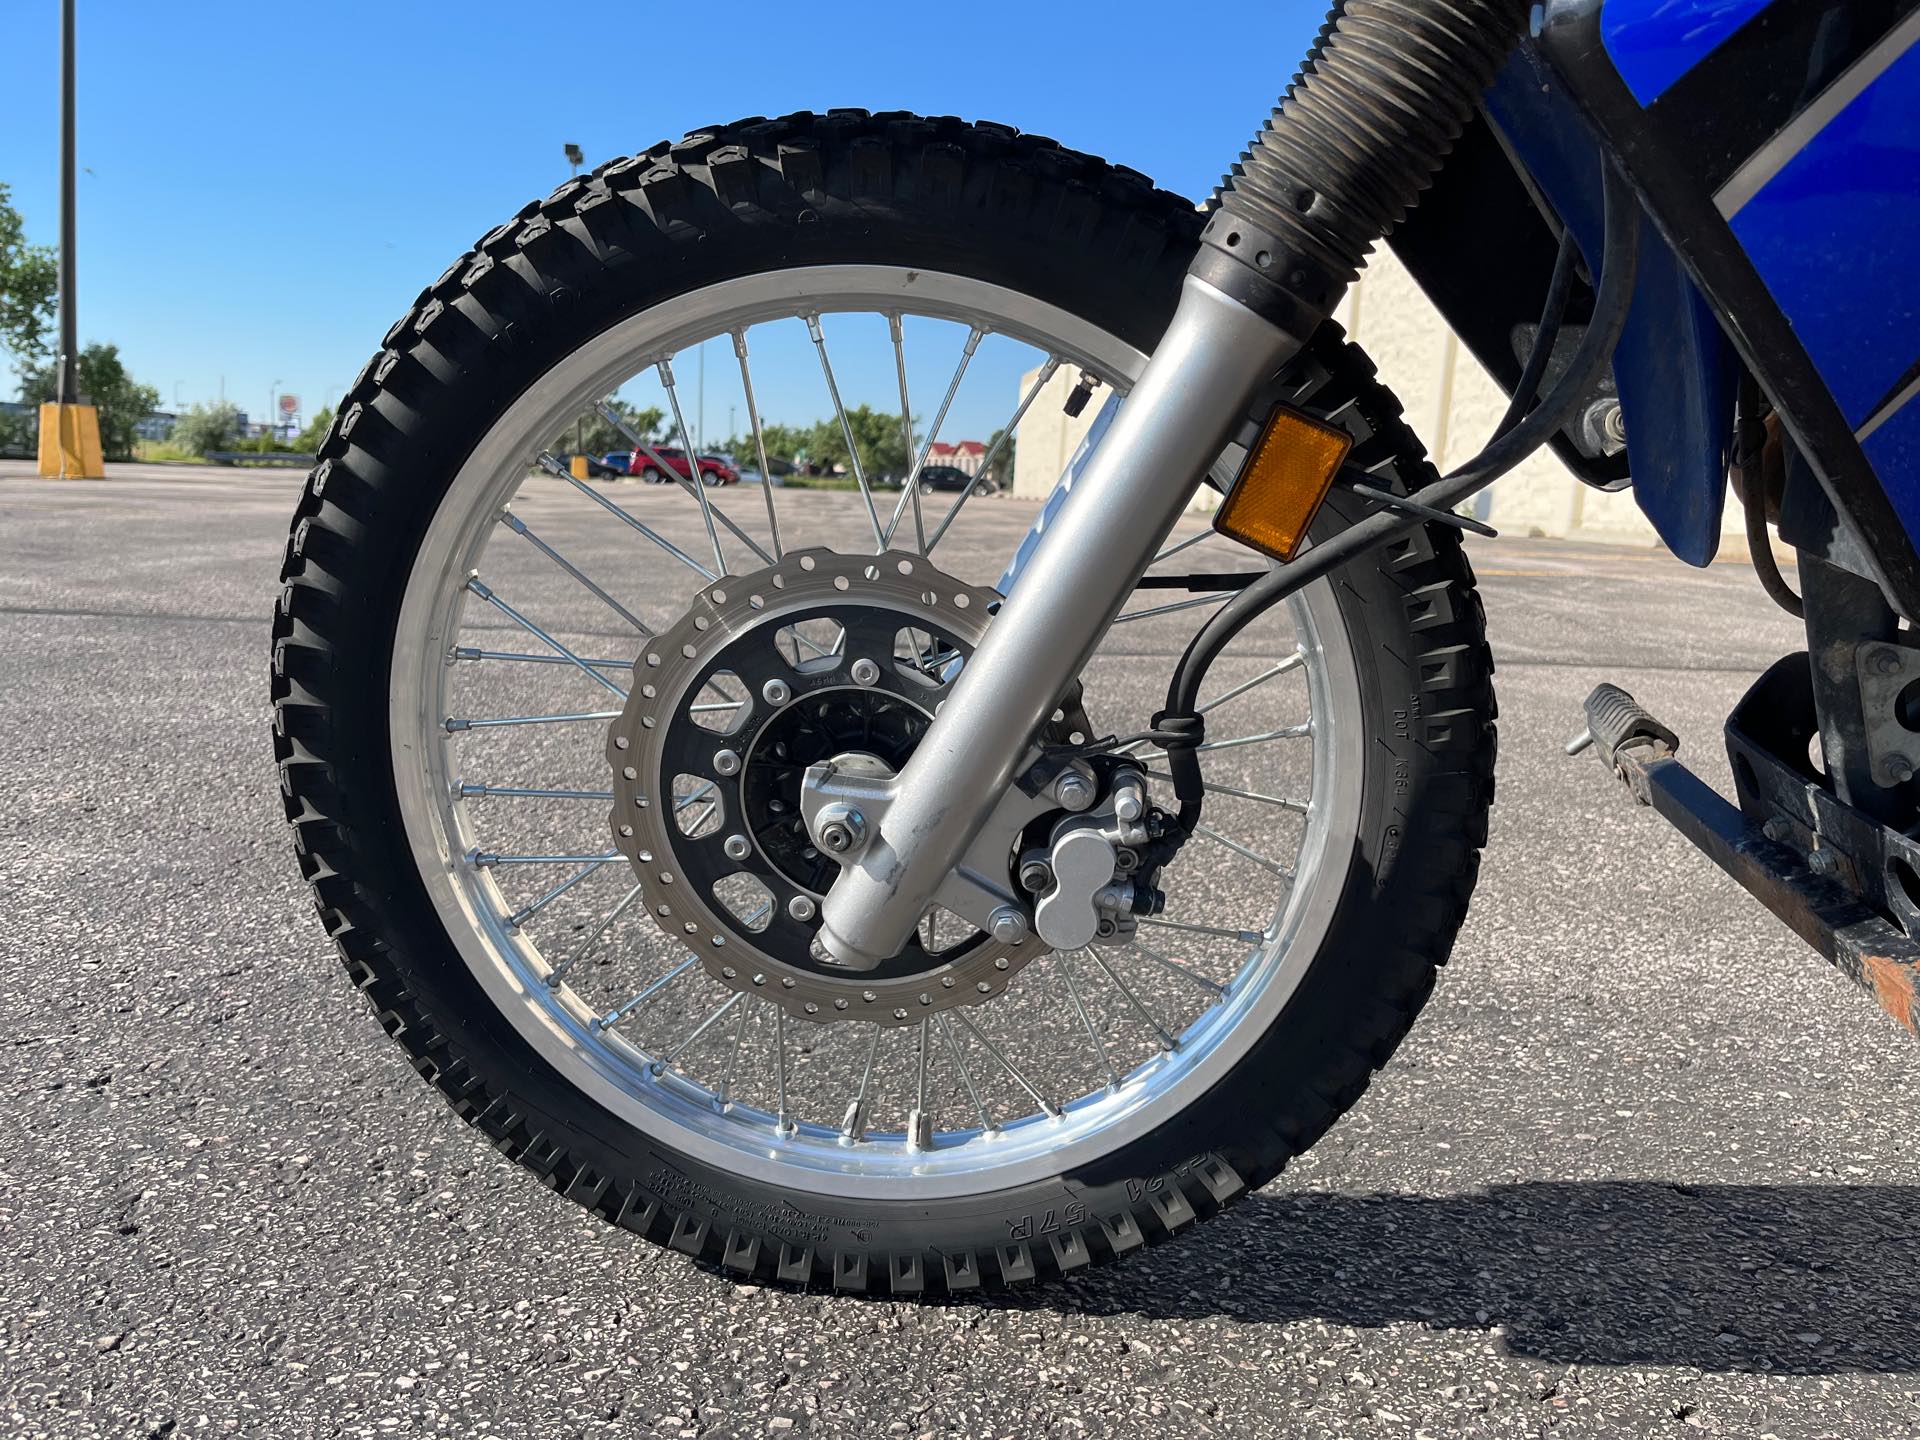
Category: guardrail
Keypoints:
(261, 457)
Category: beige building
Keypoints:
(1451, 402)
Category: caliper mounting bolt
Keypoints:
(1007, 925)
(1073, 790)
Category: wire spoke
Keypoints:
(987, 1122)
(665, 369)
(725, 1091)
(1152, 610)
(478, 588)
(1174, 966)
(909, 489)
(1047, 1106)
(470, 652)
(469, 790)
(759, 440)
(1167, 1042)
(986, 463)
(854, 1124)
(622, 1011)
(1241, 850)
(1245, 937)
(1285, 732)
(920, 1123)
(1099, 1045)
(974, 337)
(665, 1062)
(846, 430)
(534, 907)
(612, 917)
(455, 726)
(560, 472)
(1292, 662)
(782, 1123)
(1214, 787)
(615, 419)
(520, 527)
(488, 860)
(1178, 546)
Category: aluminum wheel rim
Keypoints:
(808, 1154)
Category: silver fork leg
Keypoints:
(1187, 405)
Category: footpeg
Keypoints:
(1803, 890)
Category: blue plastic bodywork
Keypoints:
(1675, 370)
(1654, 42)
(1832, 235)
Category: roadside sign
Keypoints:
(289, 404)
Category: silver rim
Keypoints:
(508, 826)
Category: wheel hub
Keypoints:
(821, 657)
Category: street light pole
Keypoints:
(68, 377)
(69, 428)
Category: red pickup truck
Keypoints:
(714, 469)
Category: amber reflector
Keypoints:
(1280, 488)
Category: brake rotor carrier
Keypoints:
(706, 800)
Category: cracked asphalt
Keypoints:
(1645, 1167)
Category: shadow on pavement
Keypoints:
(1804, 1280)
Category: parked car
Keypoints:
(714, 469)
(949, 477)
(618, 462)
(599, 467)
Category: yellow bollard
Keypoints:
(579, 467)
(70, 442)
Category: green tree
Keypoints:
(121, 401)
(29, 278)
(207, 427)
(883, 446)
(593, 435)
(308, 440)
(1002, 471)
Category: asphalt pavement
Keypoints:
(1645, 1167)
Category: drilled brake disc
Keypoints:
(819, 655)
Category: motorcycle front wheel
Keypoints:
(475, 657)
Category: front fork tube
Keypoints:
(1188, 403)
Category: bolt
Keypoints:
(840, 828)
(726, 763)
(737, 847)
(864, 672)
(1073, 790)
(1900, 768)
(1126, 859)
(1036, 877)
(775, 692)
(1775, 829)
(1007, 925)
(1823, 862)
(800, 907)
(1884, 662)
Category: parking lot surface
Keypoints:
(1645, 1167)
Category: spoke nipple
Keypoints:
(920, 1131)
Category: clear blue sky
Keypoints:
(265, 188)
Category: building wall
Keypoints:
(1450, 400)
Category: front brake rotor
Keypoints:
(728, 708)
